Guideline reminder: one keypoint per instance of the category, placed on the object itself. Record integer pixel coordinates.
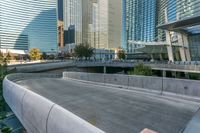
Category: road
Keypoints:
(114, 110)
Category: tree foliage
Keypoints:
(121, 54)
(35, 54)
(83, 50)
(8, 57)
(6, 130)
(1, 58)
(5, 59)
(44, 56)
(141, 69)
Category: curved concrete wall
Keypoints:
(38, 114)
(42, 66)
(157, 84)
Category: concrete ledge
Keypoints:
(38, 114)
(167, 86)
(42, 66)
(193, 126)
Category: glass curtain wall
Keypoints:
(26, 24)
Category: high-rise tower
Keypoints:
(139, 18)
(26, 24)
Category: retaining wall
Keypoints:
(38, 114)
(158, 84)
(42, 66)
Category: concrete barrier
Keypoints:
(115, 79)
(63, 121)
(181, 86)
(38, 114)
(96, 77)
(152, 83)
(160, 85)
(42, 66)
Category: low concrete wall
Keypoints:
(158, 84)
(38, 114)
(181, 86)
(42, 67)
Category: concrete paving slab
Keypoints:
(114, 110)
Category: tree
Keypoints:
(8, 57)
(51, 57)
(89, 51)
(1, 58)
(141, 69)
(121, 54)
(83, 50)
(34, 54)
(44, 56)
(6, 130)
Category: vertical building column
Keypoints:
(169, 47)
(186, 44)
(168, 39)
(182, 47)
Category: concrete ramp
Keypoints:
(49, 103)
(37, 113)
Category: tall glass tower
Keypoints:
(26, 24)
(139, 17)
(185, 34)
(73, 21)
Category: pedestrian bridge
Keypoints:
(192, 67)
(98, 103)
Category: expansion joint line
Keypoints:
(22, 107)
(48, 117)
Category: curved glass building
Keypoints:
(183, 28)
(139, 18)
(26, 24)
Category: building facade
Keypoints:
(26, 24)
(108, 22)
(169, 29)
(95, 22)
(139, 18)
(60, 34)
(72, 21)
(182, 29)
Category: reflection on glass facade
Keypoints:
(194, 41)
(140, 19)
(171, 10)
(124, 27)
(73, 21)
(188, 8)
(182, 9)
(102, 23)
(161, 7)
(26, 24)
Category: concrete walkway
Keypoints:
(114, 110)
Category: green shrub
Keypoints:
(194, 76)
(6, 130)
(141, 69)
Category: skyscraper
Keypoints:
(73, 21)
(182, 28)
(26, 24)
(140, 21)
(109, 23)
(162, 27)
(96, 22)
